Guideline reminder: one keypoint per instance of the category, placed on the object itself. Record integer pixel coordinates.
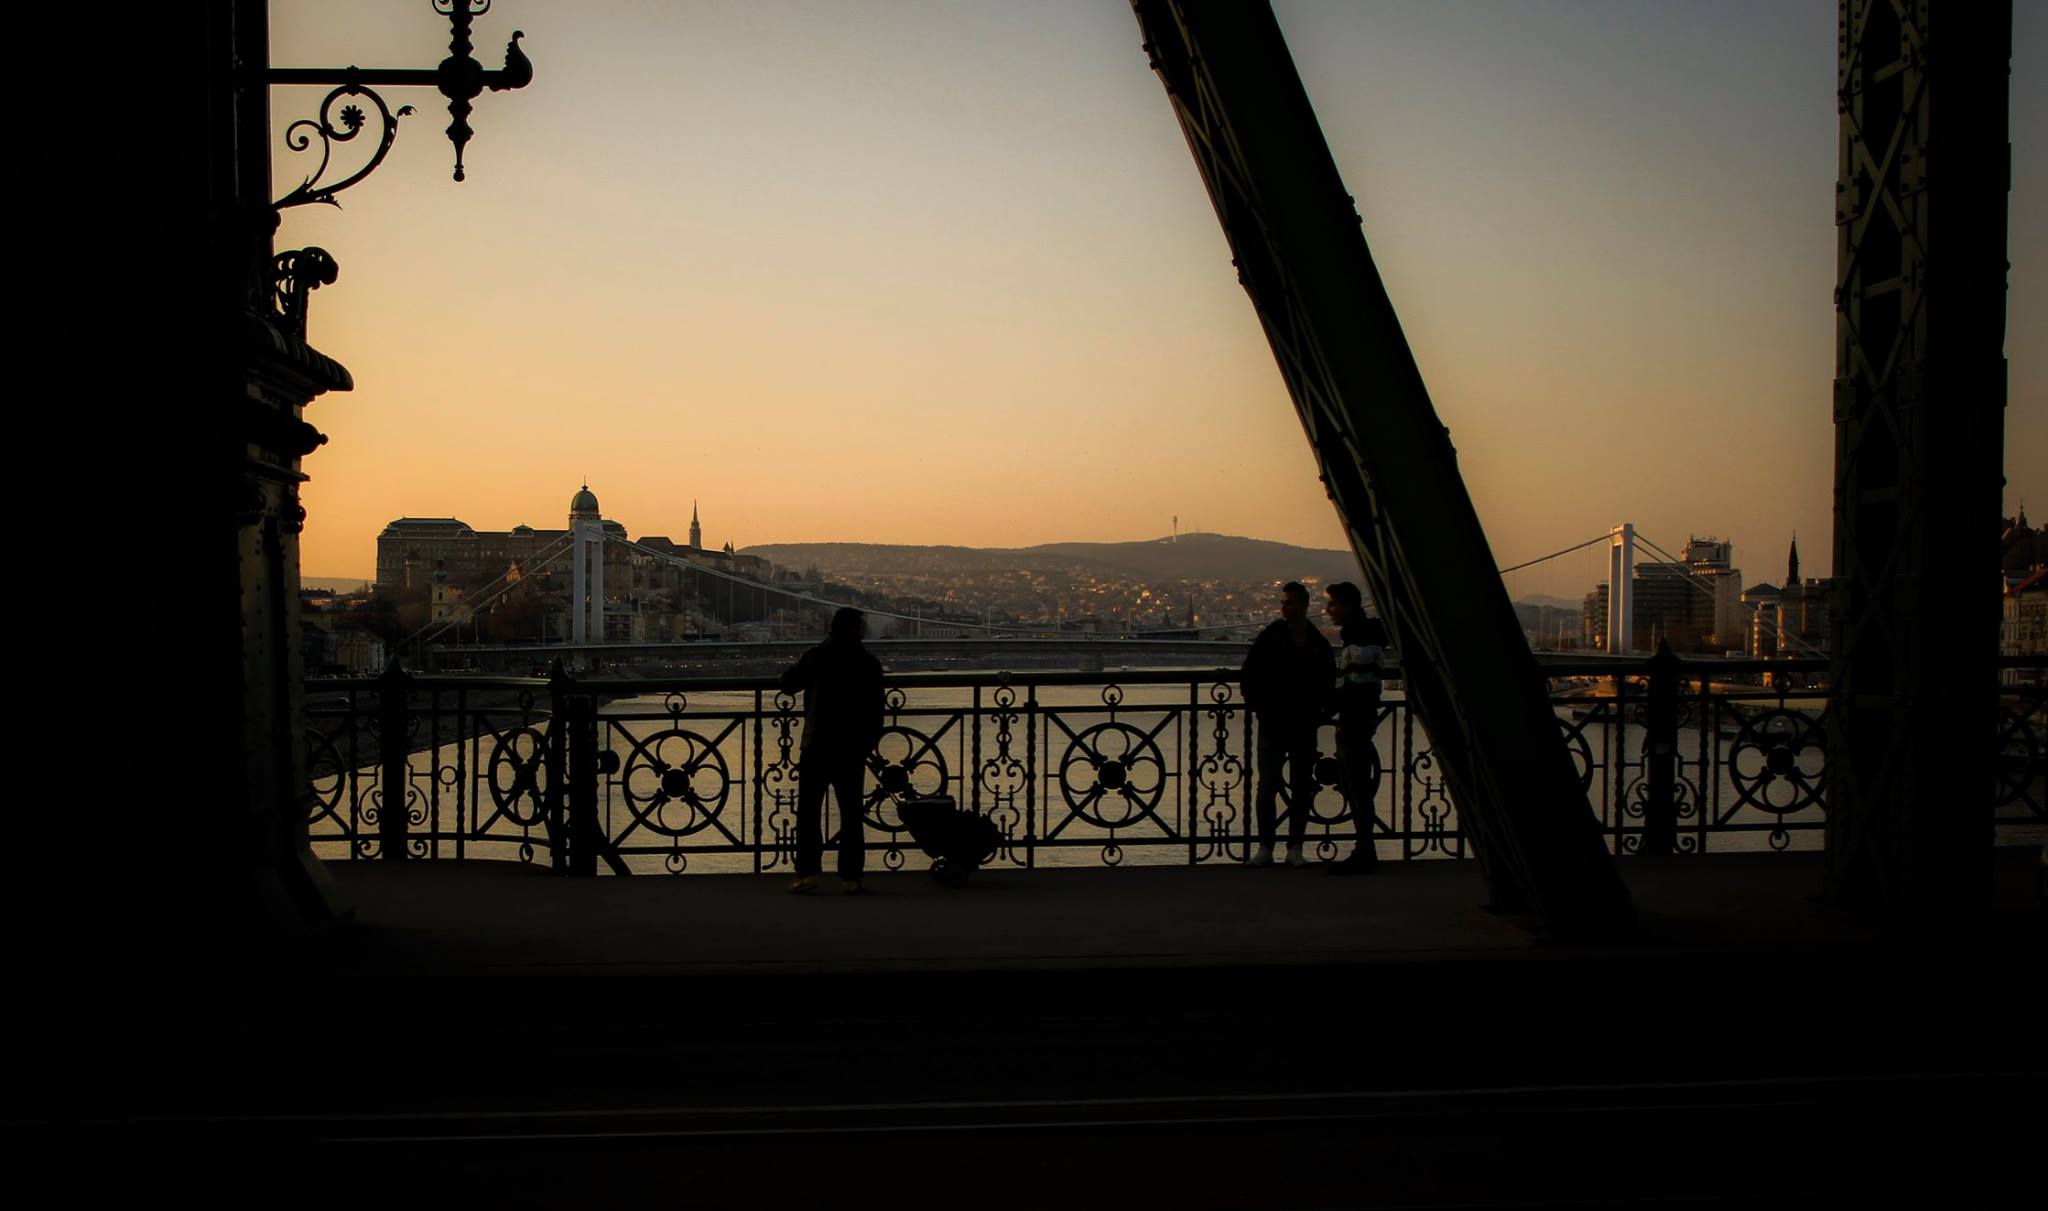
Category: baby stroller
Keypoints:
(956, 841)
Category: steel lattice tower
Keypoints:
(1919, 427)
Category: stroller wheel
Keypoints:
(941, 871)
(955, 874)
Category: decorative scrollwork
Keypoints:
(1218, 774)
(515, 773)
(1778, 762)
(1002, 775)
(1635, 803)
(1432, 806)
(779, 786)
(339, 125)
(294, 276)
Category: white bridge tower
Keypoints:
(586, 578)
(1621, 593)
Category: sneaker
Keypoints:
(803, 885)
(1294, 856)
(1262, 856)
(852, 887)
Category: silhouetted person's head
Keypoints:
(849, 625)
(1345, 602)
(1293, 602)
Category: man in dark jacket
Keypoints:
(1287, 679)
(842, 687)
(1360, 663)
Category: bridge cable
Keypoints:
(486, 594)
(1554, 554)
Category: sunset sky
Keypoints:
(945, 273)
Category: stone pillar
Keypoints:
(166, 775)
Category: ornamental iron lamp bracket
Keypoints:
(459, 77)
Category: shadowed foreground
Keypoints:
(1170, 1036)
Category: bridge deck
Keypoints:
(1219, 1036)
(487, 920)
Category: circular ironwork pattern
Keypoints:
(1112, 775)
(1326, 771)
(905, 764)
(1580, 751)
(1778, 762)
(516, 771)
(675, 782)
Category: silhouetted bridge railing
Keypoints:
(1074, 768)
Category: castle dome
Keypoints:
(585, 501)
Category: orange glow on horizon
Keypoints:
(946, 274)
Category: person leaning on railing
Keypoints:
(1287, 677)
(841, 683)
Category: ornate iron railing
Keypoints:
(1074, 768)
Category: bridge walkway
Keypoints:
(1184, 1036)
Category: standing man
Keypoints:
(1287, 678)
(842, 687)
(1360, 664)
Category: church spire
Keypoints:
(696, 530)
(1792, 564)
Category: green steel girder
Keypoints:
(1385, 459)
(1919, 415)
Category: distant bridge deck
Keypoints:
(1083, 648)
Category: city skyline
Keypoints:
(1550, 581)
(972, 292)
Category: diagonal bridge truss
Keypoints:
(1384, 457)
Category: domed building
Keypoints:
(410, 548)
(649, 590)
